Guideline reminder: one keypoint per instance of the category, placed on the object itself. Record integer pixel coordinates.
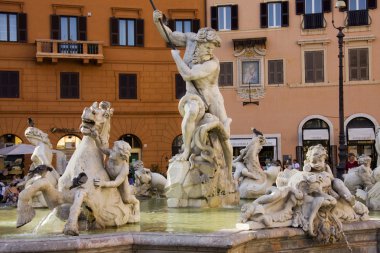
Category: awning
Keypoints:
(316, 134)
(249, 42)
(361, 134)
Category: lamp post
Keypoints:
(342, 139)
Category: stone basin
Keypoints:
(165, 229)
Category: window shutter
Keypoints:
(319, 76)
(132, 81)
(139, 36)
(309, 67)
(171, 24)
(363, 63)
(21, 29)
(285, 14)
(54, 25)
(326, 5)
(263, 15)
(114, 31)
(122, 86)
(82, 28)
(353, 64)
(74, 81)
(300, 7)
(280, 72)
(180, 86)
(372, 4)
(195, 25)
(214, 17)
(271, 72)
(234, 17)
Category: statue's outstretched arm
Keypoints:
(177, 38)
(198, 71)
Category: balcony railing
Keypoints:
(63, 49)
(357, 18)
(313, 21)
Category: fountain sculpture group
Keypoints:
(93, 194)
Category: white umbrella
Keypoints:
(20, 149)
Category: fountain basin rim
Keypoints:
(223, 239)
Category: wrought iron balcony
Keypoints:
(357, 18)
(313, 21)
(63, 49)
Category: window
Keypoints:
(69, 85)
(180, 86)
(313, 6)
(224, 18)
(127, 86)
(312, 11)
(358, 11)
(68, 27)
(355, 5)
(275, 72)
(314, 72)
(358, 64)
(274, 14)
(127, 32)
(13, 27)
(184, 25)
(226, 74)
(9, 84)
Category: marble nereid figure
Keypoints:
(148, 183)
(204, 169)
(252, 181)
(312, 199)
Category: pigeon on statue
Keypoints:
(257, 132)
(40, 170)
(30, 122)
(79, 180)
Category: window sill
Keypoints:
(229, 87)
(316, 31)
(361, 82)
(312, 85)
(362, 28)
(275, 85)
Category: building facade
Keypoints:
(57, 58)
(279, 73)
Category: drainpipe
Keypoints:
(205, 7)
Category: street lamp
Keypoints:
(342, 139)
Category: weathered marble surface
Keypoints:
(148, 183)
(361, 237)
(313, 200)
(77, 197)
(202, 174)
(251, 179)
(42, 155)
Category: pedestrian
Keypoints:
(351, 162)
(295, 164)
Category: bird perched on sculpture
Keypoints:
(257, 132)
(30, 122)
(40, 170)
(79, 180)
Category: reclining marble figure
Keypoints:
(313, 200)
(148, 183)
(202, 174)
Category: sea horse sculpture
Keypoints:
(313, 200)
(251, 179)
(103, 207)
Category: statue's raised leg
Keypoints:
(71, 227)
(26, 212)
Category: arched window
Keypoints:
(8, 140)
(315, 131)
(360, 132)
(135, 143)
(67, 144)
(177, 145)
